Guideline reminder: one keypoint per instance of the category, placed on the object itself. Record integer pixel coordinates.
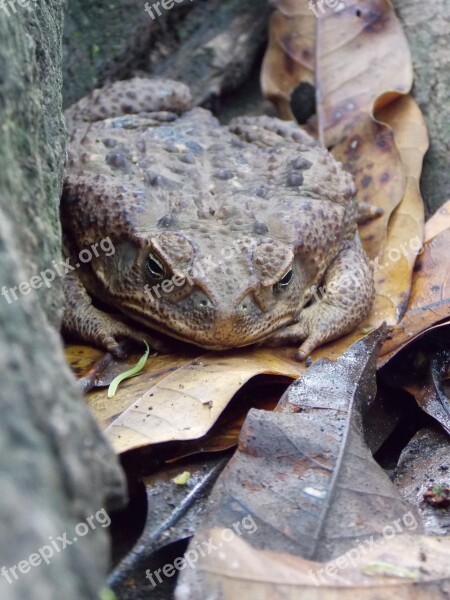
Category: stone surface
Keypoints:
(218, 47)
(209, 44)
(427, 28)
(55, 468)
(103, 41)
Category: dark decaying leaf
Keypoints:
(424, 465)
(431, 392)
(307, 478)
(421, 370)
(173, 514)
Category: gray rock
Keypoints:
(102, 42)
(210, 44)
(56, 470)
(427, 28)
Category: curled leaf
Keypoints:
(107, 594)
(182, 478)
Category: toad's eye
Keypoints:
(284, 281)
(155, 267)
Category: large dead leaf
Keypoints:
(292, 33)
(180, 397)
(429, 301)
(86, 360)
(353, 43)
(355, 69)
(402, 568)
(394, 270)
(356, 65)
(206, 373)
(308, 479)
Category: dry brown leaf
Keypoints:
(180, 398)
(211, 382)
(292, 32)
(438, 223)
(393, 272)
(429, 301)
(181, 371)
(356, 68)
(356, 65)
(213, 386)
(405, 567)
(157, 369)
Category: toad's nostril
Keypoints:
(247, 305)
(201, 301)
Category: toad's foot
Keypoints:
(85, 322)
(343, 301)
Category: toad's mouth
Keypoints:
(222, 334)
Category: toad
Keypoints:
(223, 235)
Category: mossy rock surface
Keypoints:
(55, 467)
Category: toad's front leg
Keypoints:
(89, 324)
(344, 299)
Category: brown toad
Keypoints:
(224, 236)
